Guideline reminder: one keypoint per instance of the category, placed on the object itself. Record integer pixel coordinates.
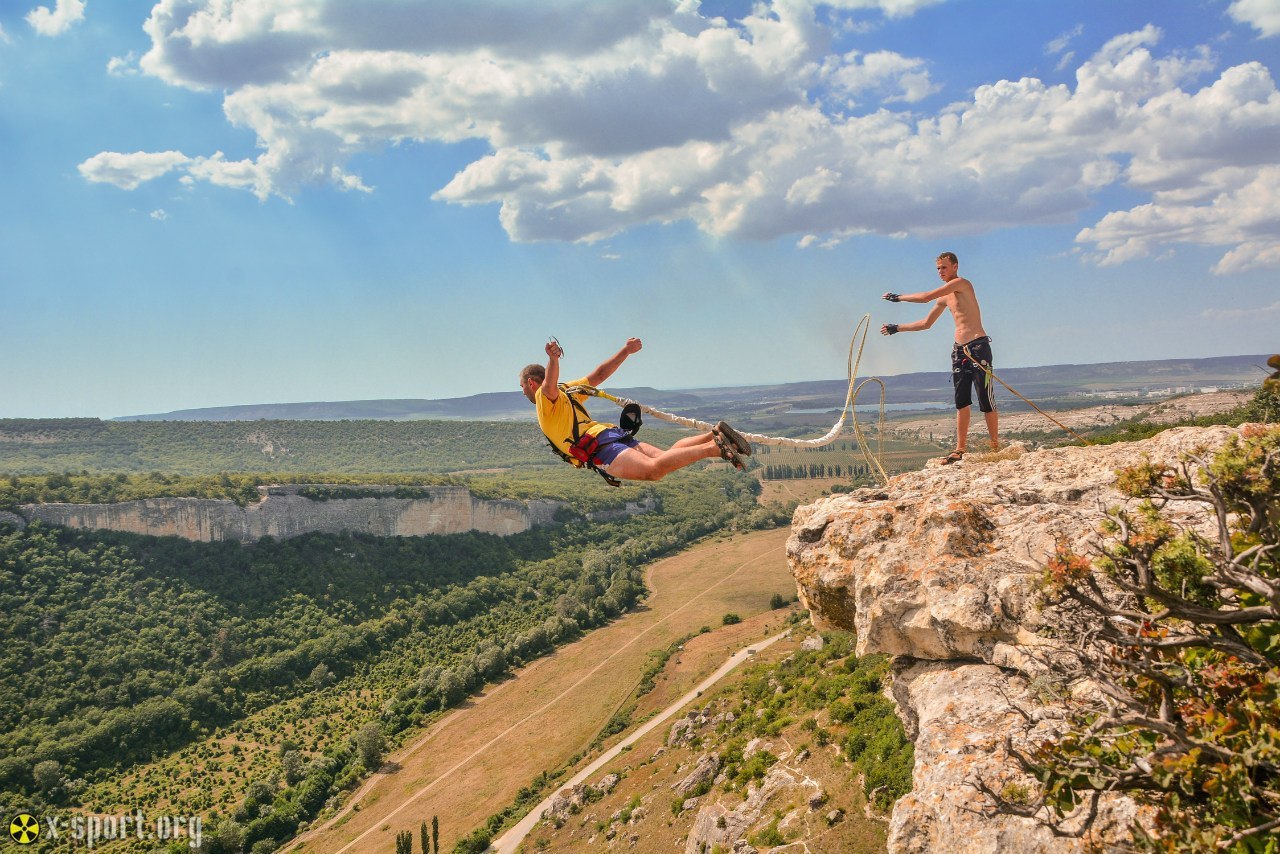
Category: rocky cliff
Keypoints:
(941, 568)
(282, 513)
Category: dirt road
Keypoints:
(471, 764)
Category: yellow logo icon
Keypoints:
(24, 829)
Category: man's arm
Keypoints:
(928, 296)
(606, 368)
(550, 382)
(918, 325)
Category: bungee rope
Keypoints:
(873, 460)
(991, 375)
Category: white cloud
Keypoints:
(127, 171)
(56, 21)
(4, 37)
(1262, 15)
(1061, 43)
(892, 8)
(600, 118)
(893, 76)
(1240, 313)
(159, 215)
(123, 66)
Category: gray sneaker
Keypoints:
(741, 445)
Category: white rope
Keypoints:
(847, 411)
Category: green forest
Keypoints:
(43, 445)
(121, 649)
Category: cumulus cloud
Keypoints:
(56, 21)
(1262, 15)
(128, 171)
(891, 76)
(601, 117)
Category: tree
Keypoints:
(435, 833)
(48, 776)
(321, 676)
(370, 744)
(1180, 633)
(226, 837)
(291, 766)
(404, 842)
(424, 839)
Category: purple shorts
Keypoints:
(618, 441)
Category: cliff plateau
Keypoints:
(283, 513)
(941, 569)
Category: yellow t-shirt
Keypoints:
(556, 417)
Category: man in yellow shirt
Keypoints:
(607, 448)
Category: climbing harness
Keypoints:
(583, 447)
(991, 375)
(854, 388)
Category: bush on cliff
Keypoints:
(1181, 634)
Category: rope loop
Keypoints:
(846, 411)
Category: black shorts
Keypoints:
(966, 375)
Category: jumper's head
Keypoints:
(531, 379)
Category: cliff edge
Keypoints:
(941, 568)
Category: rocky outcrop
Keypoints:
(786, 793)
(941, 568)
(282, 513)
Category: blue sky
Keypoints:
(217, 202)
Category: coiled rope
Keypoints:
(847, 411)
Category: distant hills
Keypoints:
(1049, 381)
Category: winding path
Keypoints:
(552, 704)
(509, 841)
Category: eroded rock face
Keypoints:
(282, 514)
(941, 568)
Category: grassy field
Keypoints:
(471, 764)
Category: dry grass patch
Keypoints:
(471, 764)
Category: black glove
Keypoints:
(892, 297)
(889, 329)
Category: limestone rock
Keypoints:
(960, 716)
(944, 563)
(682, 731)
(703, 773)
(715, 824)
(283, 513)
(941, 568)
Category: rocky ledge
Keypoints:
(941, 568)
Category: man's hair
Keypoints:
(537, 371)
(950, 256)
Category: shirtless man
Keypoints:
(603, 447)
(957, 294)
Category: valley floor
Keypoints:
(470, 765)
